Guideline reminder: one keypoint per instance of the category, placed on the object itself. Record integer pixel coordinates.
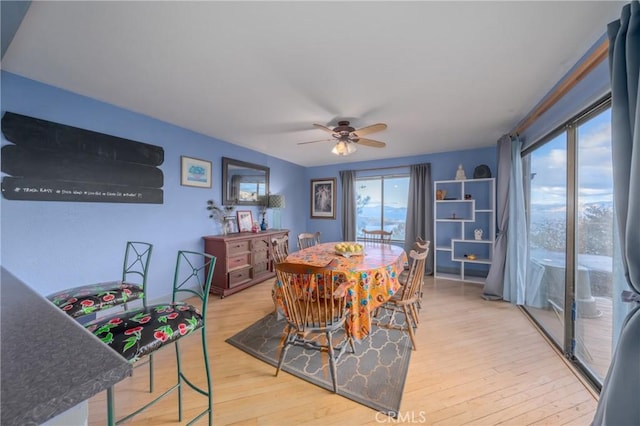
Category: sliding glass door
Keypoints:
(594, 243)
(572, 243)
(547, 219)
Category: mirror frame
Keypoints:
(226, 181)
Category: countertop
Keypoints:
(48, 362)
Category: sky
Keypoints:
(594, 159)
(395, 195)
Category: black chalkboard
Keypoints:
(36, 133)
(56, 162)
(57, 190)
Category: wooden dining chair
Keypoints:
(280, 248)
(308, 239)
(313, 304)
(280, 251)
(420, 245)
(406, 299)
(376, 236)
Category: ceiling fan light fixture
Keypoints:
(343, 148)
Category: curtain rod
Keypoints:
(593, 60)
(382, 168)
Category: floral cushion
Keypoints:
(136, 333)
(88, 299)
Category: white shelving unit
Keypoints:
(468, 205)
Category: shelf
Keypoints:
(448, 276)
(475, 280)
(455, 237)
(472, 241)
(458, 277)
(467, 260)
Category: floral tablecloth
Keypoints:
(369, 279)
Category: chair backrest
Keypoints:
(193, 275)
(280, 248)
(308, 239)
(415, 278)
(421, 245)
(311, 302)
(376, 236)
(137, 256)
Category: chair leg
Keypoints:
(179, 381)
(151, 373)
(414, 310)
(407, 316)
(283, 349)
(209, 384)
(332, 363)
(111, 408)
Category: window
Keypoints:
(381, 203)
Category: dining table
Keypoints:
(369, 278)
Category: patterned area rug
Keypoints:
(374, 376)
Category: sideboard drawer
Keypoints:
(236, 247)
(236, 262)
(239, 276)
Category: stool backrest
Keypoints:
(137, 256)
(193, 275)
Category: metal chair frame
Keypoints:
(137, 256)
(190, 267)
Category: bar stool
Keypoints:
(91, 298)
(140, 332)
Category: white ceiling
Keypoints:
(444, 76)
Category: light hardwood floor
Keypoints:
(477, 363)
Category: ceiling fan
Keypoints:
(346, 137)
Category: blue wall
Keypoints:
(443, 167)
(54, 245)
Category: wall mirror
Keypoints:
(244, 184)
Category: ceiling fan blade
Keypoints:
(319, 140)
(325, 128)
(369, 142)
(370, 129)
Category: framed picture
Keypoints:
(245, 220)
(195, 172)
(323, 198)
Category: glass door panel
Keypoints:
(547, 210)
(594, 245)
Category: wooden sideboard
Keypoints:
(242, 259)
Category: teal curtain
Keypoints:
(348, 179)
(516, 256)
(494, 284)
(419, 222)
(620, 395)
